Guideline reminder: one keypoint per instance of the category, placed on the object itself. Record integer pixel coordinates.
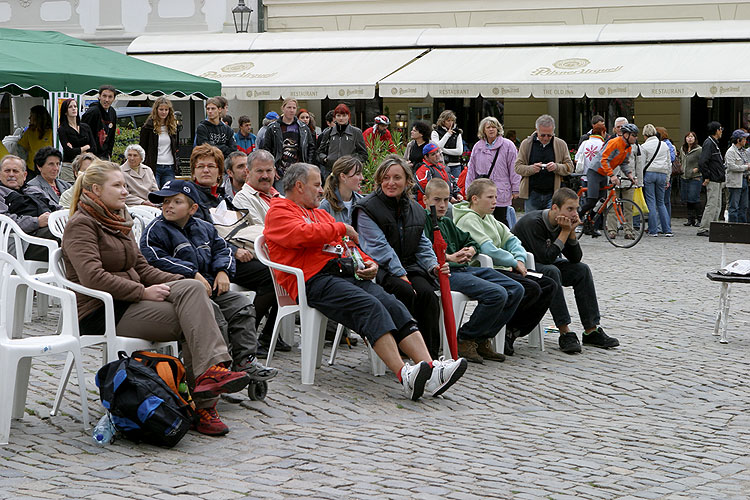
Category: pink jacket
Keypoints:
(503, 175)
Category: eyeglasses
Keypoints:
(204, 167)
(546, 135)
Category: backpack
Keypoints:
(147, 397)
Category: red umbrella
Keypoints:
(440, 246)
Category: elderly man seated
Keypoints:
(257, 193)
(304, 236)
(29, 210)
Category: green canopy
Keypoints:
(38, 62)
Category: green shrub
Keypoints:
(377, 154)
(124, 137)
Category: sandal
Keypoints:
(612, 235)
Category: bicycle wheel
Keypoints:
(619, 228)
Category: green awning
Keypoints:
(39, 62)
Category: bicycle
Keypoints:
(619, 210)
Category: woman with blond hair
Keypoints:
(448, 138)
(342, 189)
(493, 157)
(656, 157)
(159, 141)
(391, 231)
(100, 253)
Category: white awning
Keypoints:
(623, 70)
(337, 74)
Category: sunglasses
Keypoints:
(546, 135)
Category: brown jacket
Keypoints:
(103, 259)
(562, 160)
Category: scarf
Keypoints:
(92, 205)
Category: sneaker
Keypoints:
(281, 346)
(208, 422)
(255, 369)
(669, 235)
(219, 380)
(414, 379)
(569, 343)
(484, 349)
(598, 338)
(655, 235)
(445, 373)
(468, 349)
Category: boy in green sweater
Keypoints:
(508, 255)
(497, 295)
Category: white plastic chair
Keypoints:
(312, 322)
(111, 343)
(14, 240)
(536, 338)
(57, 221)
(142, 217)
(16, 353)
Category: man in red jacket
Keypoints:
(379, 132)
(298, 234)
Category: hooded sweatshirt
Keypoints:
(219, 135)
(493, 237)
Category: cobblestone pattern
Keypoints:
(663, 416)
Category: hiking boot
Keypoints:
(598, 338)
(484, 349)
(468, 349)
(219, 380)
(208, 422)
(255, 369)
(414, 378)
(281, 346)
(569, 343)
(445, 373)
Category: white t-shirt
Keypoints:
(164, 152)
(348, 204)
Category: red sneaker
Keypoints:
(209, 423)
(219, 380)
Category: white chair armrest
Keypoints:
(484, 260)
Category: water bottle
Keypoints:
(104, 432)
(599, 204)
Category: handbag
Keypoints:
(640, 200)
(489, 173)
(677, 166)
(242, 233)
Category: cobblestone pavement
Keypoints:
(663, 416)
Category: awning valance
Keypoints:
(624, 70)
(337, 74)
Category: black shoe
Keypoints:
(280, 344)
(703, 232)
(598, 338)
(690, 222)
(569, 343)
(510, 338)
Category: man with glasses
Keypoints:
(711, 165)
(543, 160)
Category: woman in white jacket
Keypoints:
(657, 157)
(737, 169)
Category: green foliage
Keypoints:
(124, 137)
(377, 154)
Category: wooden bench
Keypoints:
(726, 232)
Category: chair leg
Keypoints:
(22, 385)
(274, 339)
(310, 322)
(28, 303)
(722, 300)
(7, 385)
(498, 341)
(377, 364)
(321, 327)
(536, 337)
(725, 318)
(69, 361)
(335, 347)
(82, 387)
(287, 329)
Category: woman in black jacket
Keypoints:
(159, 140)
(75, 137)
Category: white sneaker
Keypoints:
(414, 378)
(445, 373)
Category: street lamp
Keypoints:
(241, 15)
(401, 119)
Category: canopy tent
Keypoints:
(307, 75)
(39, 62)
(622, 70)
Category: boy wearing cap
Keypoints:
(432, 168)
(737, 168)
(182, 244)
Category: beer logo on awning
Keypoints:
(495, 91)
(572, 63)
(713, 89)
(237, 67)
(602, 91)
(394, 91)
(342, 92)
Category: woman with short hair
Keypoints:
(138, 176)
(655, 179)
(494, 157)
(420, 135)
(100, 253)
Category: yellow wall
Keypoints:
(660, 113)
(521, 114)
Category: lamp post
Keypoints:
(241, 14)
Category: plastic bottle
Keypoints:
(599, 204)
(104, 432)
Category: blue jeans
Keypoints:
(578, 275)
(654, 185)
(163, 173)
(498, 297)
(455, 170)
(690, 191)
(537, 201)
(738, 203)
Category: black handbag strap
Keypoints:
(652, 158)
(494, 160)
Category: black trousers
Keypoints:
(256, 276)
(501, 214)
(420, 299)
(537, 296)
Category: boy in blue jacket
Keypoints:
(179, 243)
